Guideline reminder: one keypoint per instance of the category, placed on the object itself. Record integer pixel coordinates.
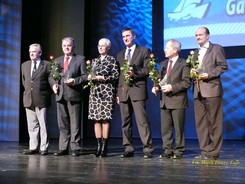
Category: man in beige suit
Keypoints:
(36, 99)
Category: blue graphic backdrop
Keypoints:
(234, 99)
(10, 31)
(138, 15)
(127, 13)
(225, 20)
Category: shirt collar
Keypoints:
(38, 61)
(174, 59)
(205, 46)
(132, 48)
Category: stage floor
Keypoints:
(18, 168)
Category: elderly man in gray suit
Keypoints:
(208, 95)
(69, 92)
(36, 99)
(174, 75)
(132, 97)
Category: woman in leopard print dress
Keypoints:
(102, 96)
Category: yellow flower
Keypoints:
(153, 70)
(51, 57)
(126, 68)
(89, 69)
(88, 62)
(192, 60)
(55, 71)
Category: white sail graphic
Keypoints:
(188, 9)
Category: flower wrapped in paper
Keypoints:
(153, 72)
(55, 69)
(126, 69)
(195, 71)
(90, 72)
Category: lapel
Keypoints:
(206, 54)
(39, 69)
(135, 54)
(28, 68)
(176, 66)
(72, 62)
(164, 68)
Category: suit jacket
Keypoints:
(137, 90)
(37, 90)
(179, 79)
(76, 70)
(214, 63)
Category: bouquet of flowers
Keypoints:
(192, 60)
(89, 69)
(153, 70)
(55, 71)
(126, 68)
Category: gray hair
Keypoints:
(37, 45)
(107, 42)
(175, 44)
(70, 39)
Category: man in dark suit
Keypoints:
(36, 99)
(174, 75)
(69, 93)
(208, 95)
(132, 97)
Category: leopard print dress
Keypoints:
(102, 97)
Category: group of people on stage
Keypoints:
(110, 86)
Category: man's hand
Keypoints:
(70, 82)
(204, 76)
(90, 77)
(117, 100)
(100, 77)
(131, 73)
(155, 90)
(55, 88)
(167, 88)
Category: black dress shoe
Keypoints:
(177, 156)
(61, 152)
(164, 155)
(148, 155)
(201, 157)
(207, 157)
(76, 153)
(127, 154)
(30, 152)
(45, 152)
(213, 157)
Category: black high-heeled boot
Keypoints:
(104, 148)
(99, 146)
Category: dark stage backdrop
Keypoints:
(47, 22)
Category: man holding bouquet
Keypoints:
(132, 94)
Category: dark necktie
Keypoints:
(34, 68)
(66, 63)
(169, 67)
(129, 55)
